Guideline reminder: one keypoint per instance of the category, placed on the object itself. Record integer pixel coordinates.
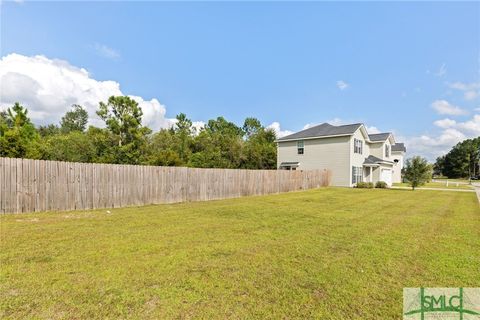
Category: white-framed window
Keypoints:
(357, 174)
(387, 151)
(357, 146)
(300, 147)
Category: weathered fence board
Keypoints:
(37, 185)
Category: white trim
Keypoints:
(364, 132)
(386, 163)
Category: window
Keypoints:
(357, 174)
(387, 151)
(357, 146)
(300, 147)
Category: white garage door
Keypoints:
(386, 175)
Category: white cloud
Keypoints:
(342, 85)
(442, 71)
(470, 95)
(48, 88)
(309, 125)
(280, 133)
(106, 51)
(432, 146)
(471, 127)
(470, 90)
(445, 123)
(464, 86)
(198, 125)
(372, 130)
(444, 107)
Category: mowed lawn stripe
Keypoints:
(330, 253)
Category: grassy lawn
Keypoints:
(441, 185)
(454, 180)
(330, 254)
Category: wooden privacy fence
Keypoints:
(37, 185)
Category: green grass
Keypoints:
(331, 253)
(440, 185)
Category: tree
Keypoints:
(18, 137)
(123, 118)
(439, 166)
(184, 131)
(417, 171)
(218, 145)
(251, 126)
(74, 120)
(462, 160)
(48, 130)
(17, 116)
(74, 146)
(163, 149)
(104, 143)
(260, 149)
(165, 158)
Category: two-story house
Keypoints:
(348, 151)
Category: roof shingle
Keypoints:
(322, 130)
(374, 160)
(399, 147)
(379, 136)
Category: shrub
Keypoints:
(417, 171)
(381, 185)
(367, 185)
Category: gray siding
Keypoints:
(378, 150)
(325, 153)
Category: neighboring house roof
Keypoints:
(399, 147)
(379, 136)
(372, 160)
(328, 130)
(323, 130)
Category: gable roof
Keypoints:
(323, 130)
(399, 147)
(379, 136)
(375, 160)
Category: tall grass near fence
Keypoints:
(35, 185)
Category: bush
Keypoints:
(381, 185)
(367, 185)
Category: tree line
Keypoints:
(124, 140)
(462, 161)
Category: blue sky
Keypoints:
(398, 67)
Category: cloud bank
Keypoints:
(445, 107)
(49, 87)
(280, 133)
